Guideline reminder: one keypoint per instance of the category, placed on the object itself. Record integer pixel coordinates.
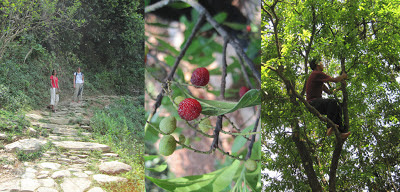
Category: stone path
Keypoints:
(70, 161)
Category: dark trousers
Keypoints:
(330, 108)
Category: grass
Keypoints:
(128, 186)
(120, 126)
(23, 156)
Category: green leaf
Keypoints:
(236, 26)
(179, 5)
(239, 141)
(220, 17)
(150, 157)
(215, 108)
(214, 181)
(159, 168)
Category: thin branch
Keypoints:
(245, 75)
(177, 61)
(233, 41)
(224, 65)
(158, 5)
(253, 137)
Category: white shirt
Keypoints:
(78, 78)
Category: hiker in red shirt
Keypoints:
(54, 90)
(314, 87)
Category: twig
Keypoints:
(226, 153)
(158, 5)
(233, 41)
(223, 79)
(245, 75)
(172, 72)
(253, 137)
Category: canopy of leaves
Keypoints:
(359, 37)
(104, 38)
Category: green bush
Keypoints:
(120, 125)
(12, 122)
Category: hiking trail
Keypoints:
(68, 159)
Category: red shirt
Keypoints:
(54, 81)
(314, 84)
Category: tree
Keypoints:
(357, 37)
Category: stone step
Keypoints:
(26, 145)
(82, 146)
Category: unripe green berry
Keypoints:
(167, 145)
(178, 99)
(182, 138)
(250, 165)
(168, 125)
(187, 142)
(205, 125)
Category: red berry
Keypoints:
(243, 90)
(200, 77)
(248, 28)
(189, 109)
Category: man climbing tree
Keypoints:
(314, 87)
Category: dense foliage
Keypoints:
(104, 38)
(120, 125)
(360, 38)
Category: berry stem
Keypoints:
(234, 126)
(156, 128)
(195, 150)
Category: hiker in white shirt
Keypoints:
(78, 85)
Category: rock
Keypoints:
(102, 179)
(65, 160)
(47, 182)
(60, 121)
(62, 173)
(30, 170)
(31, 131)
(42, 176)
(110, 154)
(114, 167)
(53, 126)
(46, 189)
(80, 174)
(89, 128)
(82, 156)
(96, 189)
(74, 157)
(44, 172)
(79, 161)
(28, 176)
(89, 172)
(84, 146)
(65, 131)
(34, 116)
(26, 145)
(86, 134)
(3, 136)
(46, 155)
(48, 165)
(29, 185)
(75, 184)
(74, 170)
(12, 185)
(52, 152)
